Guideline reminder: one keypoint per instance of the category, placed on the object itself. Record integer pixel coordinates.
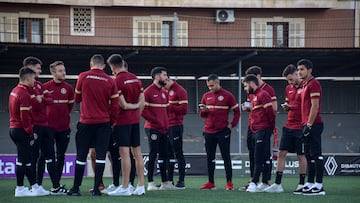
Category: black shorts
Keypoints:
(291, 141)
(127, 135)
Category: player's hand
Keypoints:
(246, 106)
(203, 107)
(39, 98)
(33, 137)
(306, 130)
(285, 106)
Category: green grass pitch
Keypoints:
(338, 189)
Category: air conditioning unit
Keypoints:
(225, 16)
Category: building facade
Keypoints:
(257, 23)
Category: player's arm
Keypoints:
(141, 102)
(182, 108)
(234, 106)
(78, 88)
(313, 110)
(114, 103)
(71, 99)
(203, 109)
(124, 105)
(25, 114)
(269, 110)
(47, 98)
(146, 113)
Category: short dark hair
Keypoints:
(306, 62)
(115, 60)
(255, 70)
(289, 69)
(54, 64)
(31, 60)
(157, 70)
(213, 77)
(251, 78)
(25, 71)
(97, 59)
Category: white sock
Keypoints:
(20, 187)
(309, 185)
(36, 186)
(318, 185)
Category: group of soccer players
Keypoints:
(301, 133)
(39, 119)
(110, 121)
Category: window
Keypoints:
(159, 31)
(82, 21)
(30, 30)
(277, 32)
(28, 27)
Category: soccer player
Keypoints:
(99, 99)
(257, 71)
(21, 133)
(127, 126)
(291, 139)
(178, 106)
(262, 117)
(44, 143)
(156, 126)
(215, 108)
(58, 114)
(312, 128)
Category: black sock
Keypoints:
(40, 170)
(171, 167)
(54, 176)
(162, 166)
(79, 173)
(133, 170)
(278, 177)
(20, 174)
(30, 174)
(302, 179)
(311, 170)
(116, 170)
(319, 167)
(99, 171)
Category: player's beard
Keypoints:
(162, 83)
(251, 90)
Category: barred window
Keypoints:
(82, 21)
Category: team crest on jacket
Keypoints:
(299, 90)
(63, 91)
(38, 86)
(163, 95)
(220, 98)
(171, 93)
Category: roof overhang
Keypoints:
(187, 61)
